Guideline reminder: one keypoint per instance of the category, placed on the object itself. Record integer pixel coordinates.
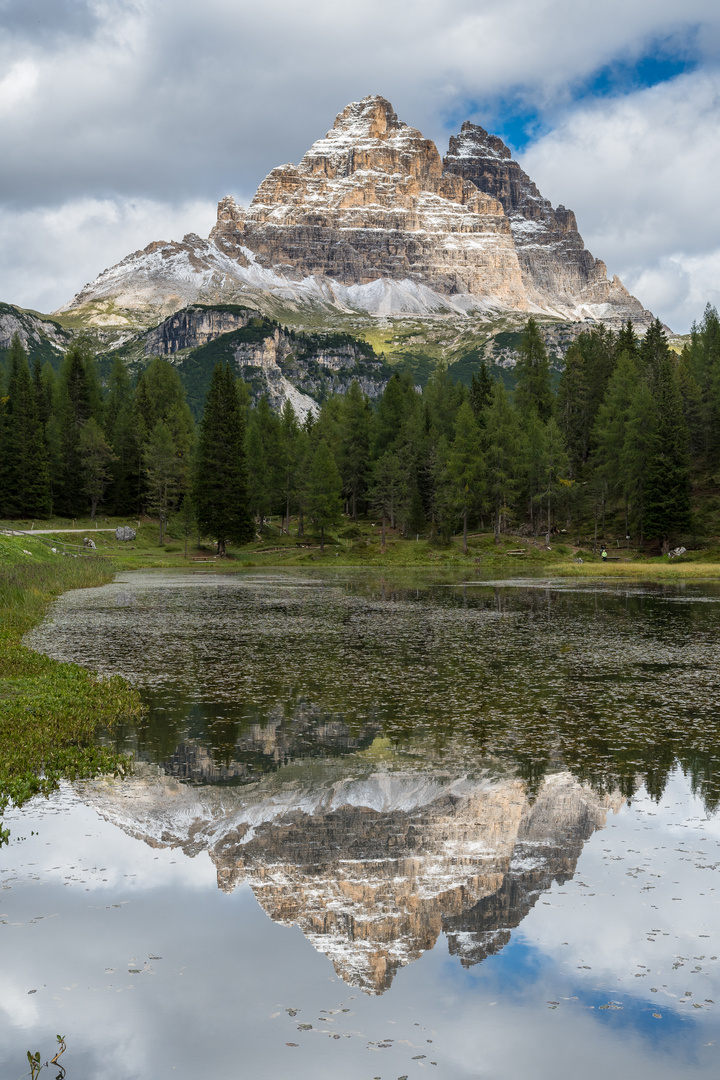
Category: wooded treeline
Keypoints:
(631, 425)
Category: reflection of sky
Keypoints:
(214, 1001)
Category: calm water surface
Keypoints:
(379, 828)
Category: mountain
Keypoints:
(43, 337)
(372, 221)
(372, 863)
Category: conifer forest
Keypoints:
(626, 443)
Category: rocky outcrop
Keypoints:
(370, 200)
(374, 864)
(557, 270)
(39, 337)
(372, 220)
(194, 326)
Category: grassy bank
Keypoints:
(49, 711)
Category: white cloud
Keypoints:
(167, 103)
(48, 253)
(640, 174)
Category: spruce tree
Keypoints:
(75, 402)
(324, 490)
(97, 457)
(221, 482)
(533, 391)
(666, 482)
(502, 447)
(464, 467)
(355, 445)
(24, 474)
(163, 474)
(290, 446)
(480, 391)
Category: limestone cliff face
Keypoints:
(557, 269)
(372, 220)
(373, 864)
(370, 200)
(191, 327)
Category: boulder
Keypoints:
(124, 532)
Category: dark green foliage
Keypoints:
(480, 391)
(76, 401)
(323, 490)
(533, 392)
(221, 482)
(24, 475)
(666, 485)
(355, 445)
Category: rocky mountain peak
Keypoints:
(367, 136)
(373, 220)
(474, 141)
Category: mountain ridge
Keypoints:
(373, 221)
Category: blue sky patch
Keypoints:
(518, 123)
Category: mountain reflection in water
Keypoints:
(384, 762)
(372, 863)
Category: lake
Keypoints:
(379, 826)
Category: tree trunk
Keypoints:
(221, 548)
(301, 524)
(287, 514)
(322, 539)
(383, 531)
(497, 524)
(547, 537)
(465, 532)
(93, 508)
(354, 506)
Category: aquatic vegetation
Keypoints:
(49, 711)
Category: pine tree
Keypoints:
(533, 391)
(75, 402)
(97, 457)
(355, 445)
(324, 490)
(163, 474)
(221, 481)
(24, 474)
(627, 341)
(290, 447)
(501, 438)
(480, 391)
(121, 430)
(464, 468)
(385, 489)
(654, 347)
(666, 482)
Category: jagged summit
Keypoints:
(373, 220)
(556, 267)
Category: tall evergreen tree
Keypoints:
(76, 400)
(533, 391)
(666, 482)
(163, 474)
(464, 468)
(221, 482)
(324, 490)
(480, 391)
(501, 438)
(97, 456)
(24, 475)
(355, 445)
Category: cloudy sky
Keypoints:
(124, 121)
